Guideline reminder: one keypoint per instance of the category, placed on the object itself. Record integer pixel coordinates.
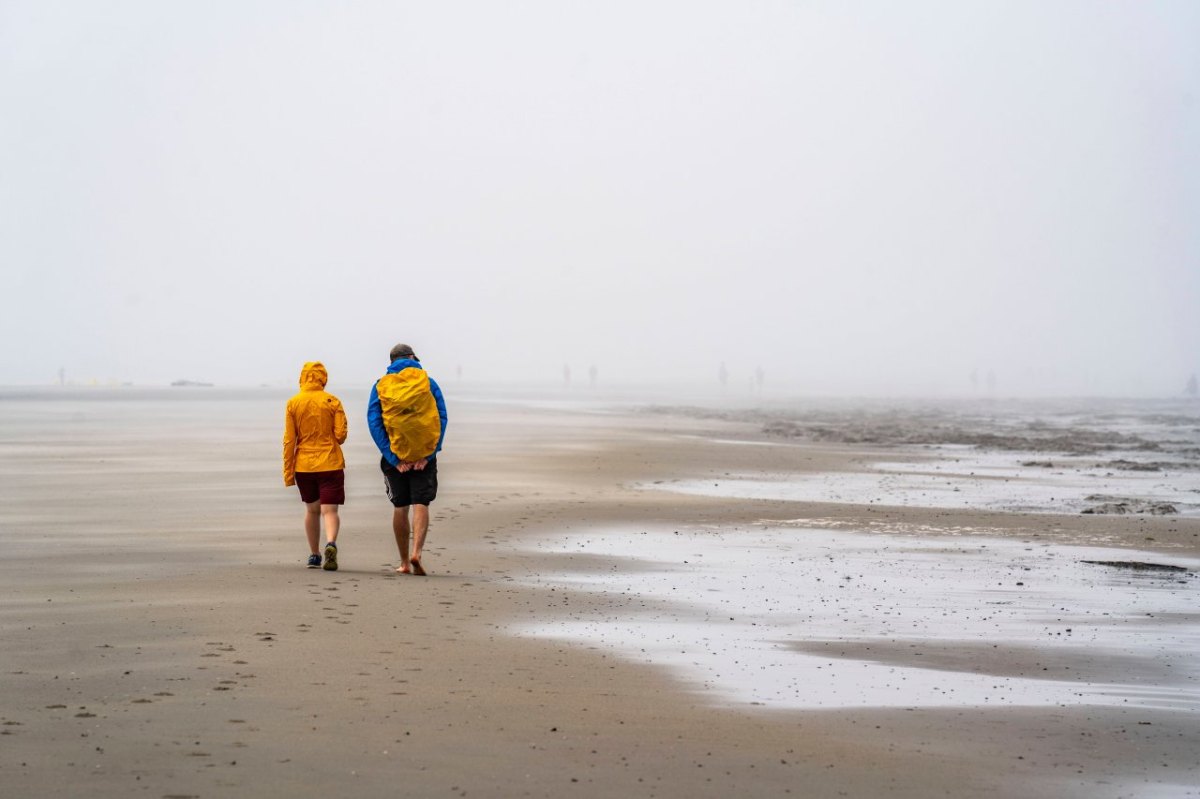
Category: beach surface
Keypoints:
(685, 600)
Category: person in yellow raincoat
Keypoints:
(314, 428)
(406, 416)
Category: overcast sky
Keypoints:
(853, 196)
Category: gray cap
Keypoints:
(403, 351)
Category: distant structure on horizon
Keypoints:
(191, 384)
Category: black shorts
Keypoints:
(412, 487)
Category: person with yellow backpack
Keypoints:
(407, 419)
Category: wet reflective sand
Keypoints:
(808, 618)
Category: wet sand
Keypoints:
(162, 639)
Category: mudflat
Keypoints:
(162, 637)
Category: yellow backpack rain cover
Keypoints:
(410, 413)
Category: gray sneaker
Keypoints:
(331, 557)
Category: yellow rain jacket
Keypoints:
(314, 427)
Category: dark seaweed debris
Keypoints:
(1137, 565)
(1074, 441)
(1122, 505)
(1135, 466)
(1014, 427)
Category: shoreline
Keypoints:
(214, 664)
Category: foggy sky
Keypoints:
(855, 197)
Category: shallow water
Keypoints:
(963, 478)
(1044, 456)
(809, 618)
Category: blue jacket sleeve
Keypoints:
(378, 431)
(436, 390)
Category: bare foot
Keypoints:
(402, 569)
(417, 568)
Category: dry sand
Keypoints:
(162, 639)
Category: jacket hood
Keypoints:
(313, 376)
(400, 364)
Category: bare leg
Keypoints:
(420, 525)
(332, 522)
(400, 528)
(312, 525)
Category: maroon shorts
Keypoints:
(328, 487)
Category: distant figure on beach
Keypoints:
(407, 418)
(1191, 388)
(593, 374)
(723, 374)
(314, 428)
(566, 374)
(760, 377)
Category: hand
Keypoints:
(421, 464)
(289, 481)
(404, 466)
